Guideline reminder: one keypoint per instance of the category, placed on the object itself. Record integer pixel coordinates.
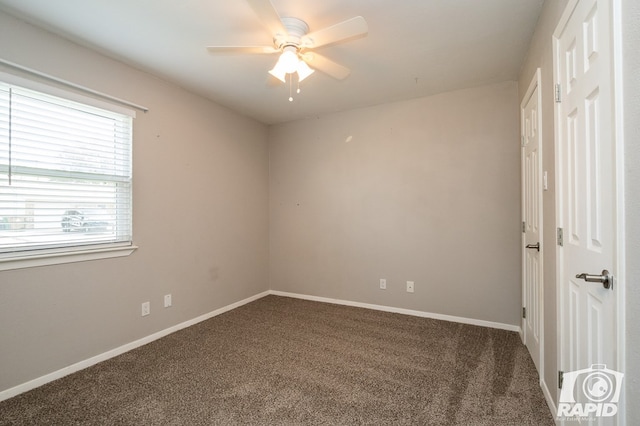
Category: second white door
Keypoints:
(532, 221)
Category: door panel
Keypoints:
(532, 219)
(586, 190)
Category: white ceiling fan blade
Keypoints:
(326, 65)
(268, 15)
(348, 29)
(251, 50)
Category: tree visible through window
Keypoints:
(65, 173)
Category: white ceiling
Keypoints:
(414, 47)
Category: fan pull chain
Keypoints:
(290, 87)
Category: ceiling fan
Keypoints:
(294, 42)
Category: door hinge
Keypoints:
(524, 227)
(558, 93)
(560, 379)
(560, 237)
(524, 312)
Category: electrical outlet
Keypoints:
(167, 300)
(146, 309)
(409, 286)
(383, 284)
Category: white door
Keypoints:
(532, 220)
(586, 195)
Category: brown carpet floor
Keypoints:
(283, 361)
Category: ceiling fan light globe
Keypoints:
(288, 60)
(304, 70)
(278, 73)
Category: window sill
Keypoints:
(59, 257)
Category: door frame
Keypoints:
(536, 83)
(618, 176)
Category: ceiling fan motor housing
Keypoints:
(296, 29)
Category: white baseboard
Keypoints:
(422, 314)
(32, 384)
(549, 399)
(521, 332)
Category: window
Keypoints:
(65, 173)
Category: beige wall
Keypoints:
(426, 190)
(200, 220)
(540, 55)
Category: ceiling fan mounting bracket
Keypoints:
(296, 29)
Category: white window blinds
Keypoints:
(65, 173)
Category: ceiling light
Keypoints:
(288, 60)
(288, 63)
(278, 73)
(303, 70)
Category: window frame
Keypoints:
(59, 255)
